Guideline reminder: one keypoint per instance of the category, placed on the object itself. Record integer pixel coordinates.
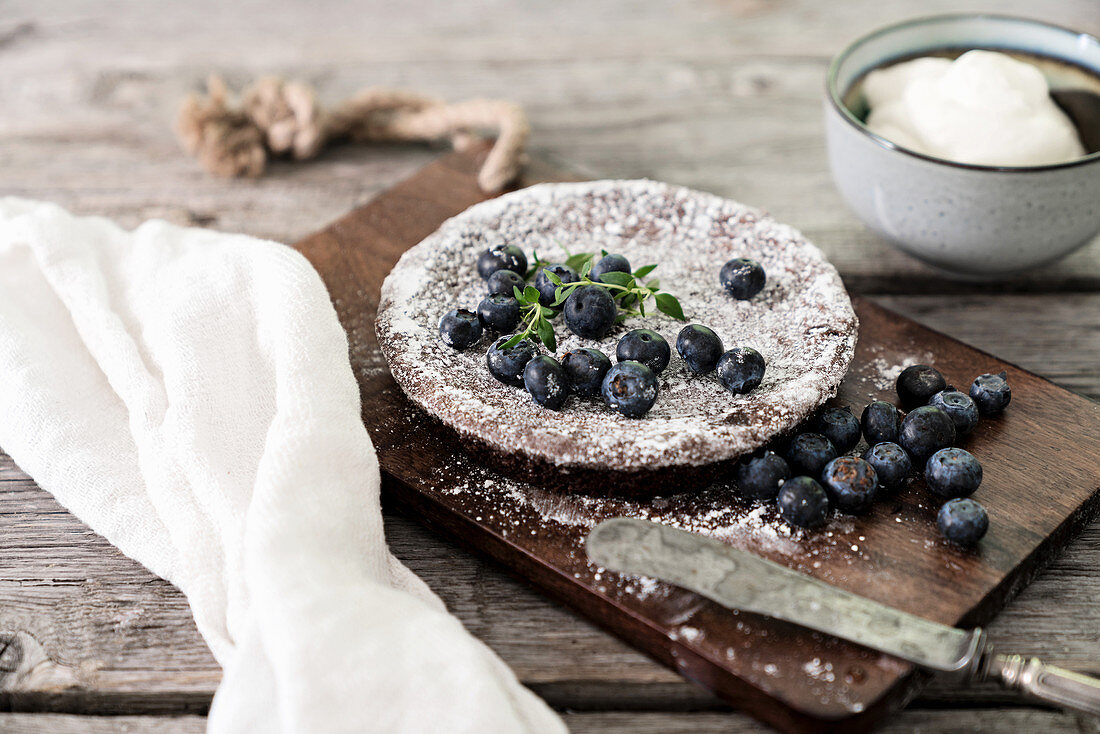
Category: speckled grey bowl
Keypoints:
(968, 220)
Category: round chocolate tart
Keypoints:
(801, 322)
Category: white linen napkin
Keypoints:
(188, 395)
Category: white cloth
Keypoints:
(188, 394)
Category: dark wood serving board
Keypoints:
(1042, 472)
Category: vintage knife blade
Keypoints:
(740, 580)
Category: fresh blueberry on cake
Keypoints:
(645, 346)
(585, 369)
(630, 388)
(546, 382)
(498, 312)
(742, 278)
(991, 393)
(547, 287)
(924, 431)
(460, 328)
(609, 264)
(590, 312)
(506, 363)
(917, 384)
(960, 407)
(502, 257)
(741, 370)
(700, 348)
(506, 282)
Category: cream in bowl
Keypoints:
(967, 140)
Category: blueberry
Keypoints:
(741, 369)
(548, 290)
(960, 407)
(498, 312)
(851, 484)
(505, 281)
(925, 431)
(699, 347)
(742, 278)
(890, 462)
(460, 328)
(630, 388)
(645, 346)
(803, 502)
(609, 264)
(760, 476)
(917, 384)
(501, 257)
(585, 369)
(953, 472)
(507, 364)
(881, 422)
(839, 426)
(590, 311)
(809, 453)
(963, 521)
(546, 381)
(991, 393)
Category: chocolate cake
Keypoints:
(802, 323)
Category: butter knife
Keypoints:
(740, 580)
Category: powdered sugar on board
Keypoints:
(802, 323)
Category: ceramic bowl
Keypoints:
(968, 220)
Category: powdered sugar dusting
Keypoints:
(802, 323)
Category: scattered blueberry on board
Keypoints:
(803, 502)
(545, 380)
(741, 370)
(925, 431)
(609, 264)
(851, 484)
(505, 281)
(881, 421)
(991, 393)
(501, 257)
(742, 278)
(460, 328)
(960, 407)
(547, 288)
(953, 472)
(917, 384)
(700, 348)
(890, 462)
(645, 346)
(630, 388)
(760, 476)
(963, 522)
(590, 312)
(498, 312)
(507, 365)
(809, 453)
(839, 426)
(585, 369)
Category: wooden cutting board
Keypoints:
(1042, 471)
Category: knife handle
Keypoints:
(1044, 682)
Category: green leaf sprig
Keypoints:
(630, 290)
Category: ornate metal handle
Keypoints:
(1045, 682)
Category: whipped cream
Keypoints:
(984, 108)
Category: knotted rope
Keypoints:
(284, 118)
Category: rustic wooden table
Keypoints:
(723, 95)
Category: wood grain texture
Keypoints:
(893, 554)
(717, 94)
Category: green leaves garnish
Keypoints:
(630, 290)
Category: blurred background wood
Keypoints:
(723, 95)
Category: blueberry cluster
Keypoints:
(816, 472)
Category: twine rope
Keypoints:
(281, 117)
